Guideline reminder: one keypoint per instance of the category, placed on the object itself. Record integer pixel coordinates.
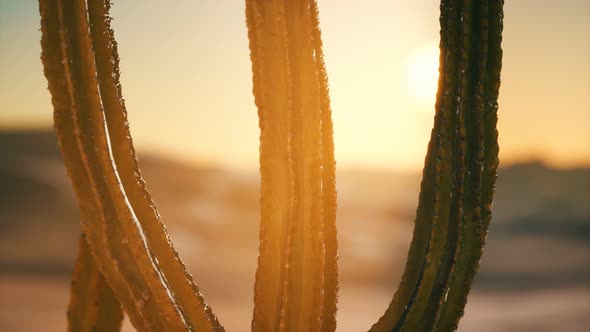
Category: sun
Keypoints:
(422, 75)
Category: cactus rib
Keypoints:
(274, 163)
(328, 188)
(297, 225)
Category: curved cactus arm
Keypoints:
(124, 240)
(451, 170)
(120, 244)
(93, 306)
(54, 69)
(457, 188)
(298, 231)
(190, 300)
(483, 165)
(435, 176)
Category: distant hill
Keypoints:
(533, 198)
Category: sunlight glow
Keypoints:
(196, 87)
(422, 75)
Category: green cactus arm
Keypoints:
(451, 170)
(466, 138)
(429, 200)
(466, 201)
(93, 306)
(490, 115)
(296, 227)
(475, 226)
(190, 300)
(117, 240)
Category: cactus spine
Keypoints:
(126, 258)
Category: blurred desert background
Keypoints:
(186, 77)
(535, 273)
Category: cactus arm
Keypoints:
(296, 227)
(190, 300)
(470, 70)
(424, 318)
(267, 32)
(114, 234)
(465, 143)
(449, 172)
(330, 288)
(125, 237)
(54, 69)
(475, 226)
(303, 289)
(412, 277)
(93, 306)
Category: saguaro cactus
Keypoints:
(126, 259)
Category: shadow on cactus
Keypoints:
(126, 261)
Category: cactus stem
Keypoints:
(297, 271)
(454, 207)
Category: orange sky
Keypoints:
(186, 79)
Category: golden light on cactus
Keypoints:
(296, 280)
(126, 244)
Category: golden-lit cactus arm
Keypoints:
(54, 69)
(114, 234)
(93, 306)
(457, 187)
(187, 294)
(302, 297)
(267, 33)
(298, 213)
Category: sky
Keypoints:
(187, 81)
